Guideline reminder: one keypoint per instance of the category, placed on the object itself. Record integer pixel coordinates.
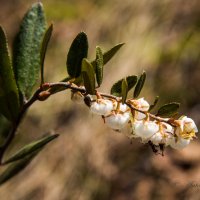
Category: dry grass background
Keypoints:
(89, 161)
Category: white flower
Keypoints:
(142, 105)
(186, 128)
(117, 121)
(178, 143)
(122, 107)
(145, 129)
(101, 107)
(157, 138)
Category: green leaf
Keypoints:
(117, 89)
(139, 85)
(168, 110)
(30, 148)
(124, 90)
(154, 103)
(45, 42)
(27, 48)
(99, 65)
(15, 168)
(5, 126)
(77, 51)
(108, 54)
(88, 76)
(9, 96)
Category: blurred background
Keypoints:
(90, 161)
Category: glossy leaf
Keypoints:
(99, 65)
(9, 97)
(139, 85)
(77, 51)
(30, 148)
(45, 42)
(116, 88)
(88, 75)
(27, 46)
(124, 90)
(168, 110)
(16, 167)
(154, 103)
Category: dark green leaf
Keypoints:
(88, 76)
(140, 85)
(124, 90)
(9, 97)
(168, 110)
(27, 48)
(45, 42)
(15, 168)
(154, 104)
(5, 126)
(99, 65)
(116, 88)
(30, 148)
(77, 51)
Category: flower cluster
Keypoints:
(134, 118)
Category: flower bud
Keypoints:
(102, 107)
(117, 121)
(178, 143)
(145, 129)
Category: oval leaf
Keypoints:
(45, 42)
(140, 85)
(77, 51)
(9, 97)
(116, 88)
(15, 168)
(27, 47)
(124, 90)
(88, 76)
(30, 148)
(168, 110)
(99, 65)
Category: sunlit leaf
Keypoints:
(9, 97)
(139, 85)
(124, 90)
(88, 76)
(168, 110)
(30, 148)
(117, 89)
(77, 51)
(45, 42)
(99, 65)
(27, 48)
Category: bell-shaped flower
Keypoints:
(178, 143)
(117, 120)
(102, 106)
(144, 129)
(186, 128)
(142, 105)
(122, 107)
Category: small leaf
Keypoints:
(140, 85)
(26, 55)
(88, 76)
(99, 65)
(30, 148)
(15, 168)
(108, 54)
(124, 90)
(9, 96)
(154, 103)
(77, 51)
(45, 42)
(116, 88)
(168, 110)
